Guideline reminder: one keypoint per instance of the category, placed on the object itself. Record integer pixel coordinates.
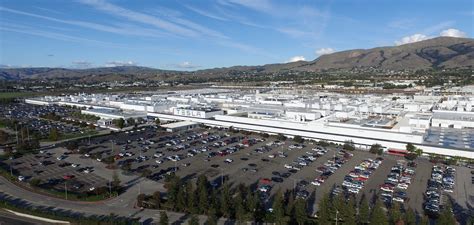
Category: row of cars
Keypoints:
(442, 179)
(331, 166)
(398, 180)
(355, 180)
(303, 160)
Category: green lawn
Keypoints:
(4, 95)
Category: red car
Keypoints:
(67, 177)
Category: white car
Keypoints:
(316, 183)
(99, 159)
(87, 155)
(74, 165)
(87, 171)
(288, 166)
(159, 161)
(21, 178)
(228, 160)
(402, 186)
(398, 199)
(91, 188)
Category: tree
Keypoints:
(157, 121)
(447, 216)
(120, 123)
(395, 213)
(364, 212)
(410, 217)
(140, 200)
(35, 182)
(348, 145)
(376, 149)
(424, 221)
(279, 209)
(378, 215)
(226, 207)
(300, 211)
(240, 210)
(212, 217)
(350, 212)
(410, 147)
(53, 134)
(298, 139)
(419, 151)
(115, 181)
(130, 121)
(281, 137)
(325, 210)
(156, 198)
(191, 198)
(193, 220)
(163, 218)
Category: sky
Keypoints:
(200, 34)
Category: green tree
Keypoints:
(35, 182)
(410, 147)
(424, 221)
(193, 220)
(419, 151)
(298, 139)
(350, 212)
(181, 200)
(156, 197)
(348, 145)
(410, 217)
(301, 215)
(157, 122)
(281, 137)
(53, 134)
(446, 216)
(140, 199)
(120, 123)
(376, 149)
(378, 215)
(279, 209)
(240, 211)
(212, 217)
(163, 218)
(226, 199)
(395, 213)
(191, 197)
(325, 211)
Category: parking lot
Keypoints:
(267, 163)
(29, 116)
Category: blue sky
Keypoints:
(199, 34)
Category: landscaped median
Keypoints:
(48, 214)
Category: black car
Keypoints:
(277, 179)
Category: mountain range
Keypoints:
(436, 53)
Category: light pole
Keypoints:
(65, 188)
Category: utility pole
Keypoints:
(16, 129)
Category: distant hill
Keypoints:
(437, 53)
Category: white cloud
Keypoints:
(295, 59)
(81, 64)
(325, 51)
(118, 11)
(453, 33)
(120, 63)
(183, 65)
(411, 39)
